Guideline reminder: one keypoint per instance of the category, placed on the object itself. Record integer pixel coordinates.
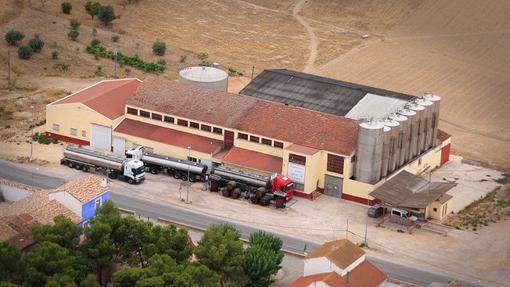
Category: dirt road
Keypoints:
(314, 42)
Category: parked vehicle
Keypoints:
(259, 189)
(375, 211)
(402, 216)
(115, 166)
(179, 168)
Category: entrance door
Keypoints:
(119, 145)
(445, 154)
(100, 137)
(333, 186)
(228, 139)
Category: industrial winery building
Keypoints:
(319, 132)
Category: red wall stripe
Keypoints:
(67, 139)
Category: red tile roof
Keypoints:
(364, 275)
(442, 135)
(106, 97)
(341, 252)
(84, 188)
(168, 136)
(287, 123)
(251, 159)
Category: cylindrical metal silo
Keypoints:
(427, 128)
(393, 147)
(410, 135)
(400, 152)
(416, 142)
(370, 151)
(208, 77)
(386, 150)
(436, 100)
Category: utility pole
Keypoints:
(115, 66)
(366, 222)
(189, 179)
(32, 137)
(9, 66)
(347, 230)
(252, 71)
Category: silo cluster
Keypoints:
(384, 146)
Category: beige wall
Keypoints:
(75, 115)
(441, 212)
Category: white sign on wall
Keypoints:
(296, 172)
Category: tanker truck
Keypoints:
(259, 189)
(130, 170)
(179, 168)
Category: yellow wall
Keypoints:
(161, 148)
(75, 115)
(442, 210)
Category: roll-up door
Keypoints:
(100, 137)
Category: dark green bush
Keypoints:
(66, 7)
(159, 48)
(73, 35)
(25, 52)
(13, 37)
(133, 61)
(75, 24)
(36, 43)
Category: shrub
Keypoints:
(94, 31)
(183, 58)
(36, 43)
(99, 71)
(204, 59)
(13, 37)
(75, 24)
(122, 59)
(106, 14)
(162, 62)
(61, 67)
(66, 7)
(43, 139)
(159, 48)
(25, 52)
(73, 35)
(95, 42)
(115, 38)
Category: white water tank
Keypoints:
(208, 77)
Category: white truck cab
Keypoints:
(134, 170)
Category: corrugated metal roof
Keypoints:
(410, 191)
(312, 92)
(375, 107)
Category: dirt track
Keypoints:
(457, 49)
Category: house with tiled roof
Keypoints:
(339, 263)
(77, 200)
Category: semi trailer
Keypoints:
(130, 170)
(259, 189)
(180, 169)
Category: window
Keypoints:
(206, 128)
(98, 203)
(254, 139)
(74, 132)
(156, 117)
(169, 120)
(297, 159)
(299, 186)
(84, 133)
(183, 123)
(335, 163)
(242, 136)
(145, 114)
(267, 142)
(278, 144)
(193, 159)
(217, 131)
(132, 111)
(55, 127)
(194, 125)
(435, 209)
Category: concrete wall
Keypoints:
(12, 194)
(77, 116)
(69, 201)
(353, 265)
(441, 212)
(320, 265)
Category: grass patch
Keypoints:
(43, 139)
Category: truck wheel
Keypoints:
(131, 181)
(184, 177)
(177, 175)
(78, 166)
(85, 168)
(112, 175)
(70, 164)
(154, 170)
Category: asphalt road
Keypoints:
(154, 210)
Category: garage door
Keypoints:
(119, 145)
(100, 137)
(333, 186)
